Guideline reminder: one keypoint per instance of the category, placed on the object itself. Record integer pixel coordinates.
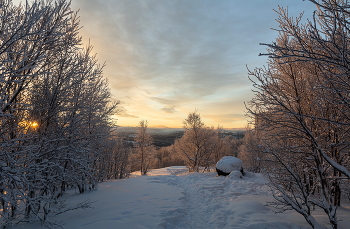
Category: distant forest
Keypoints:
(163, 139)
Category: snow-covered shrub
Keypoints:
(228, 164)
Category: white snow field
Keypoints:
(173, 198)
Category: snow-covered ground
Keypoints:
(172, 198)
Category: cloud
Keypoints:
(168, 110)
(124, 114)
(163, 101)
(174, 56)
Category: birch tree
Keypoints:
(29, 34)
(55, 111)
(301, 110)
(251, 151)
(143, 141)
(195, 145)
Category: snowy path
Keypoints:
(133, 203)
(224, 202)
(171, 198)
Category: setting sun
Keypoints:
(33, 124)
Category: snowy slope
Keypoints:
(172, 198)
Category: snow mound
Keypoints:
(235, 175)
(228, 164)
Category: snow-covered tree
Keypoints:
(55, 110)
(195, 146)
(251, 151)
(113, 160)
(29, 34)
(167, 156)
(219, 143)
(144, 146)
(301, 110)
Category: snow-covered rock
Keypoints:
(228, 164)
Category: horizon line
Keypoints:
(167, 127)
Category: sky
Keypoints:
(167, 58)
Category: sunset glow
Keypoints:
(165, 59)
(33, 124)
(29, 124)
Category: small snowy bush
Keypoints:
(228, 164)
